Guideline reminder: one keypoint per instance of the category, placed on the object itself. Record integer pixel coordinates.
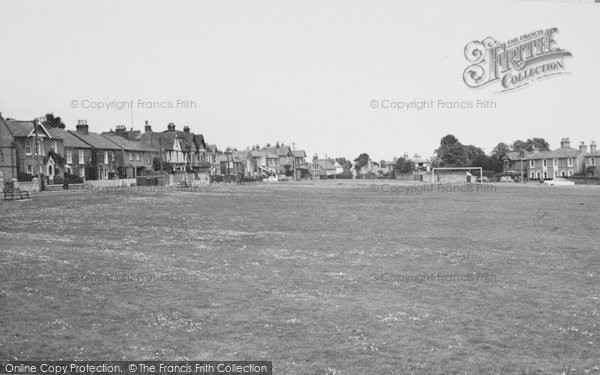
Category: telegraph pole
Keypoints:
(37, 154)
(294, 159)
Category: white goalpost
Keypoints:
(466, 169)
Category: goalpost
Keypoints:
(466, 169)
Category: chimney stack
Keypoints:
(565, 143)
(82, 126)
(171, 127)
(120, 129)
(186, 129)
(147, 128)
(582, 147)
(593, 146)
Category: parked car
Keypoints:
(506, 179)
(559, 182)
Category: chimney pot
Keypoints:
(186, 129)
(171, 127)
(82, 126)
(593, 146)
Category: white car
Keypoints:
(506, 179)
(559, 182)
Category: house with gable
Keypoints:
(35, 150)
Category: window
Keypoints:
(532, 174)
(105, 157)
(130, 155)
(505, 164)
(592, 161)
(537, 175)
(569, 162)
(82, 172)
(315, 166)
(545, 174)
(69, 156)
(545, 163)
(137, 156)
(571, 173)
(55, 146)
(29, 169)
(532, 163)
(555, 163)
(81, 156)
(562, 173)
(28, 146)
(40, 148)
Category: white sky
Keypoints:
(297, 71)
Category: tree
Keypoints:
(540, 144)
(475, 157)
(500, 149)
(53, 122)
(403, 166)
(452, 152)
(347, 164)
(361, 161)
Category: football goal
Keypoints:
(458, 174)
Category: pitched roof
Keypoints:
(130, 145)
(20, 128)
(68, 139)
(165, 140)
(95, 140)
(327, 164)
(563, 152)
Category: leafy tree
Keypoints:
(540, 144)
(475, 157)
(451, 152)
(347, 164)
(53, 122)
(361, 161)
(500, 149)
(403, 166)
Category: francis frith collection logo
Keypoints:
(515, 63)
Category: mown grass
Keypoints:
(284, 272)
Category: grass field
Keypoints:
(323, 278)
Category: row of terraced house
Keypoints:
(29, 149)
(565, 161)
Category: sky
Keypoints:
(302, 72)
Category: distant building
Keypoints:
(562, 162)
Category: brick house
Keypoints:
(324, 168)
(74, 151)
(103, 164)
(562, 162)
(512, 162)
(134, 158)
(177, 148)
(8, 157)
(33, 149)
